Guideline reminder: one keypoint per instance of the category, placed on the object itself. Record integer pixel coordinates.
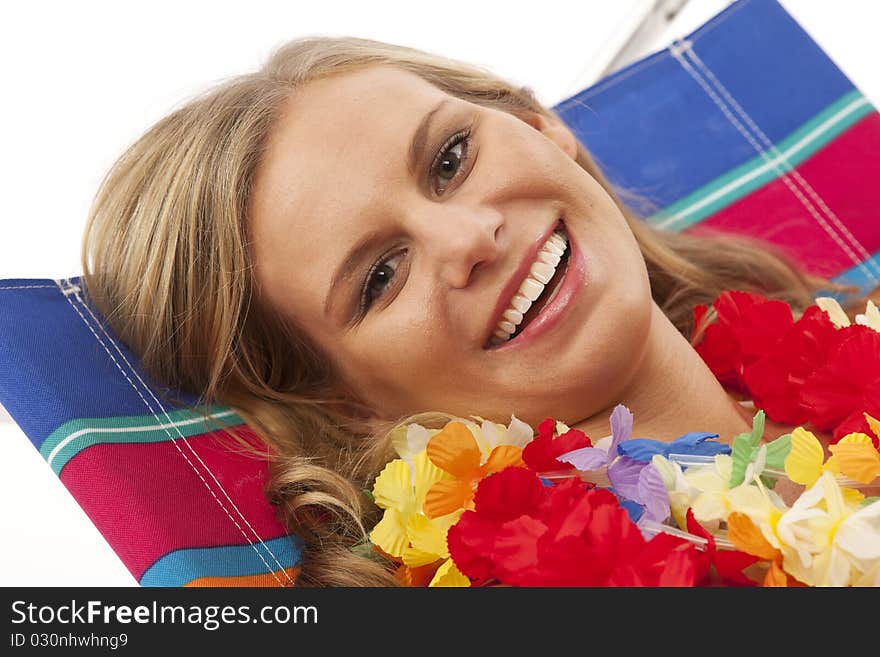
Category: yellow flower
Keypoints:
(857, 456)
(404, 532)
(804, 463)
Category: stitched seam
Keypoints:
(27, 287)
(187, 443)
(172, 439)
(865, 255)
(676, 52)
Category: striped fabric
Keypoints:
(744, 126)
(173, 492)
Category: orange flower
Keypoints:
(456, 451)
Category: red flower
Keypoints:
(856, 422)
(775, 380)
(747, 328)
(540, 454)
(522, 533)
(729, 564)
(837, 393)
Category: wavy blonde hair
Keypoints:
(165, 259)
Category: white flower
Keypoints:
(828, 541)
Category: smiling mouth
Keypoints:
(537, 289)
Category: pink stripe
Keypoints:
(841, 174)
(147, 501)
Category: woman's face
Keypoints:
(396, 225)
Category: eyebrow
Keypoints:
(366, 245)
(352, 261)
(420, 137)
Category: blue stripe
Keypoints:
(53, 369)
(183, 566)
(656, 132)
(865, 277)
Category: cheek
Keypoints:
(389, 367)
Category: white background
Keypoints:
(81, 80)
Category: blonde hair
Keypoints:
(165, 259)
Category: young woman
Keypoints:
(359, 232)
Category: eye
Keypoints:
(378, 279)
(450, 159)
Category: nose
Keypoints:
(461, 240)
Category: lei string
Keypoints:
(477, 503)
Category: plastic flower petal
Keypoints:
(585, 458)
(857, 457)
(448, 575)
(744, 445)
(871, 316)
(805, 462)
(746, 536)
(593, 458)
(697, 443)
(825, 540)
(563, 535)
(409, 440)
(401, 492)
(541, 454)
(680, 492)
(748, 327)
(848, 383)
(774, 381)
(455, 450)
(652, 494)
(729, 564)
(835, 312)
(517, 433)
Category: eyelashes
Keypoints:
(380, 275)
(446, 154)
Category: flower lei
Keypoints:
(479, 503)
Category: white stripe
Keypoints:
(154, 427)
(781, 158)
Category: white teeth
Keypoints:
(520, 303)
(554, 248)
(542, 272)
(513, 316)
(504, 325)
(531, 289)
(550, 258)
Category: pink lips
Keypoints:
(516, 280)
(550, 315)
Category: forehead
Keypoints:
(348, 132)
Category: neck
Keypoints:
(672, 393)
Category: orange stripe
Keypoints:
(262, 580)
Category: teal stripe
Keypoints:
(76, 435)
(180, 567)
(804, 142)
(866, 278)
